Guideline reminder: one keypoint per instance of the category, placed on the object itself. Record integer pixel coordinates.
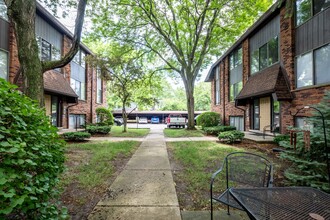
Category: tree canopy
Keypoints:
(183, 34)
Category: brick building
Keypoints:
(279, 65)
(72, 93)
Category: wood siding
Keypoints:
(48, 33)
(265, 112)
(4, 35)
(314, 33)
(269, 31)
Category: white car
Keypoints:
(143, 120)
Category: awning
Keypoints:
(55, 83)
(270, 81)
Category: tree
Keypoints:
(183, 34)
(22, 15)
(203, 96)
(125, 72)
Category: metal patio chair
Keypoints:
(242, 169)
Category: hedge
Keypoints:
(208, 119)
(231, 136)
(217, 129)
(76, 136)
(97, 129)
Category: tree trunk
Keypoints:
(189, 86)
(124, 114)
(22, 14)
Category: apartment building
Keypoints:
(278, 66)
(72, 93)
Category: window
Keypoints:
(47, 51)
(79, 88)
(265, 56)
(79, 58)
(237, 121)
(305, 9)
(217, 86)
(99, 87)
(236, 83)
(3, 64)
(313, 67)
(302, 123)
(3, 10)
(77, 121)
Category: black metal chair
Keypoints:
(242, 169)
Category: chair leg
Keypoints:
(228, 210)
(211, 209)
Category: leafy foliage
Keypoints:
(104, 115)
(217, 129)
(208, 119)
(98, 129)
(183, 35)
(282, 137)
(76, 136)
(309, 167)
(231, 136)
(31, 158)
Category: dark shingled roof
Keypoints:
(268, 81)
(56, 83)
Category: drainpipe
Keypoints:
(91, 113)
(224, 93)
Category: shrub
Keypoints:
(208, 119)
(104, 115)
(31, 158)
(97, 129)
(282, 137)
(217, 129)
(231, 136)
(76, 136)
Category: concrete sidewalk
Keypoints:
(145, 188)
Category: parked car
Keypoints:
(143, 120)
(117, 122)
(175, 120)
(154, 120)
(120, 119)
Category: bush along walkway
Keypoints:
(145, 188)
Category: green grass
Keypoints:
(200, 159)
(90, 164)
(176, 133)
(117, 131)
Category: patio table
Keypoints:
(283, 203)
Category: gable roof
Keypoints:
(268, 15)
(56, 83)
(268, 81)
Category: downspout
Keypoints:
(92, 79)
(224, 93)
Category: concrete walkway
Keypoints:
(145, 188)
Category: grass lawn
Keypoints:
(90, 169)
(117, 131)
(194, 163)
(176, 133)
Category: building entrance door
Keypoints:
(256, 114)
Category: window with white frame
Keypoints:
(313, 67)
(237, 121)
(303, 123)
(77, 121)
(217, 86)
(99, 86)
(265, 56)
(4, 64)
(236, 71)
(305, 9)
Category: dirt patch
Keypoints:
(81, 201)
(188, 201)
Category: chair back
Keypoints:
(245, 169)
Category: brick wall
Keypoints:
(13, 55)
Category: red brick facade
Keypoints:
(301, 97)
(84, 107)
